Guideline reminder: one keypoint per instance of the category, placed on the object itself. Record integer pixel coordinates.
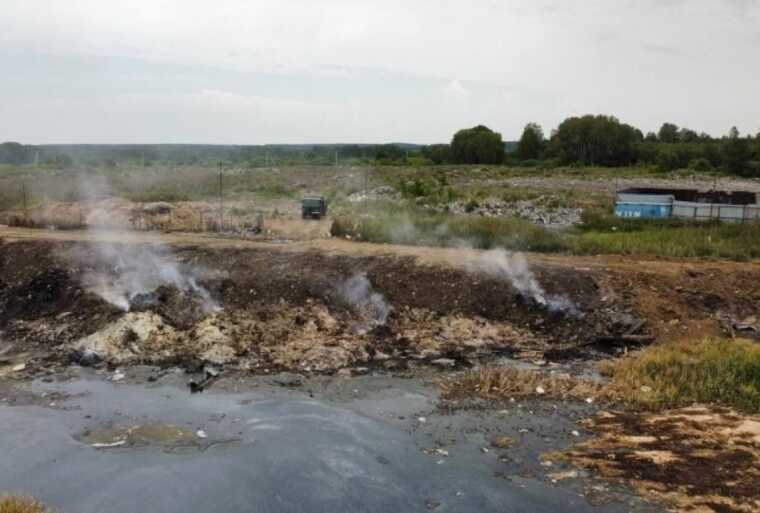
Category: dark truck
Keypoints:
(313, 206)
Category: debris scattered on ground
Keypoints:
(748, 327)
(692, 459)
(99, 445)
(436, 451)
(211, 374)
(384, 192)
(504, 383)
(538, 211)
(288, 379)
(282, 313)
(502, 442)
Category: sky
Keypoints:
(328, 71)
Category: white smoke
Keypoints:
(514, 268)
(123, 273)
(124, 270)
(358, 292)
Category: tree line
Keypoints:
(590, 140)
(605, 141)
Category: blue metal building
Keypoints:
(640, 203)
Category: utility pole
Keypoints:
(26, 209)
(366, 190)
(221, 200)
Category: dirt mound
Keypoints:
(288, 309)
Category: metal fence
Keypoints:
(716, 211)
(655, 206)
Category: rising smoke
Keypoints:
(125, 274)
(358, 292)
(514, 268)
(125, 271)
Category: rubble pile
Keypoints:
(536, 211)
(281, 310)
(384, 192)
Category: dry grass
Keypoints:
(504, 383)
(21, 504)
(678, 374)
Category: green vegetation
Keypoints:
(603, 233)
(595, 140)
(600, 233)
(532, 143)
(477, 145)
(679, 374)
(424, 228)
(590, 140)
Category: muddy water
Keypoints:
(356, 448)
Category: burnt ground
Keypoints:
(282, 310)
(692, 459)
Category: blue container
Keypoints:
(643, 210)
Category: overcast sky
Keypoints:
(320, 71)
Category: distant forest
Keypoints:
(578, 141)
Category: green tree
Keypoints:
(437, 153)
(390, 153)
(668, 133)
(736, 153)
(688, 136)
(532, 142)
(15, 153)
(477, 145)
(595, 140)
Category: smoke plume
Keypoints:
(127, 274)
(358, 292)
(125, 271)
(514, 268)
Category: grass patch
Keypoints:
(429, 229)
(732, 241)
(19, 504)
(603, 233)
(678, 374)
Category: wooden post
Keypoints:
(221, 201)
(26, 208)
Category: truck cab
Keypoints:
(313, 206)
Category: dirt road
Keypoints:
(339, 247)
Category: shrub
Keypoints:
(700, 164)
(17, 504)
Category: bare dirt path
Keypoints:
(455, 257)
